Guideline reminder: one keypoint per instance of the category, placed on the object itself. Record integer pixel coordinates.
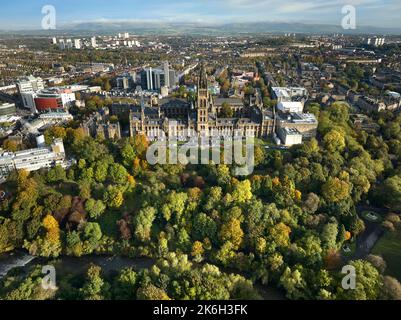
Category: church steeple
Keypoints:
(202, 77)
(203, 103)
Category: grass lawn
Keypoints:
(389, 247)
(261, 142)
(265, 142)
(372, 216)
(109, 219)
(352, 247)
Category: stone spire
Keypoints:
(202, 78)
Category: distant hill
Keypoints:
(161, 28)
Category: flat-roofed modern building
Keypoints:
(290, 106)
(30, 84)
(54, 99)
(290, 136)
(32, 159)
(50, 99)
(305, 123)
(284, 94)
(7, 109)
(56, 116)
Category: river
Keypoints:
(72, 265)
(9, 261)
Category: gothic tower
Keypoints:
(203, 103)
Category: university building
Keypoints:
(179, 118)
(98, 125)
(33, 159)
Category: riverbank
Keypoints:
(12, 260)
(72, 265)
(66, 266)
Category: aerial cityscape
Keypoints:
(200, 152)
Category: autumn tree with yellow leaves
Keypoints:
(50, 244)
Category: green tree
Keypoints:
(294, 283)
(280, 234)
(74, 244)
(118, 174)
(174, 205)
(114, 197)
(151, 292)
(329, 236)
(84, 189)
(101, 171)
(125, 285)
(128, 154)
(204, 227)
(226, 111)
(92, 234)
(335, 190)
(94, 288)
(56, 174)
(368, 283)
(391, 186)
(242, 191)
(223, 175)
(334, 141)
(143, 222)
(90, 150)
(95, 208)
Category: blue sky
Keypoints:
(21, 14)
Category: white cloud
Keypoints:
(323, 11)
(370, 12)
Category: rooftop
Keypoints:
(291, 131)
(304, 117)
(231, 101)
(289, 92)
(4, 105)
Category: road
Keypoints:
(367, 240)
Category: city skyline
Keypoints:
(20, 15)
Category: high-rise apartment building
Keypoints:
(61, 44)
(77, 43)
(376, 41)
(93, 42)
(155, 79)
